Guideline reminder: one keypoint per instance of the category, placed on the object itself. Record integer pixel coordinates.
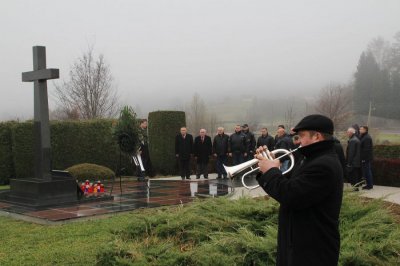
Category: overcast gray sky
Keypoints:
(162, 52)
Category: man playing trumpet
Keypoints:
(310, 197)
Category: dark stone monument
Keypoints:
(46, 188)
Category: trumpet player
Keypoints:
(310, 197)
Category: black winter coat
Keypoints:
(267, 140)
(366, 147)
(184, 146)
(250, 141)
(284, 142)
(202, 150)
(353, 152)
(310, 200)
(220, 144)
(340, 154)
(237, 143)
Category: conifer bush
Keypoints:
(89, 171)
(244, 232)
(163, 127)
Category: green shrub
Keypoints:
(386, 172)
(90, 171)
(163, 127)
(6, 159)
(387, 151)
(125, 131)
(72, 142)
(244, 232)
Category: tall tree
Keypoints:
(253, 115)
(334, 101)
(196, 114)
(394, 73)
(212, 124)
(90, 90)
(366, 83)
(380, 49)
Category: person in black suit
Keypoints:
(144, 151)
(220, 150)
(202, 149)
(366, 150)
(184, 152)
(310, 197)
(353, 158)
(265, 139)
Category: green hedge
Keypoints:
(163, 127)
(386, 165)
(72, 142)
(386, 172)
(6, 159)
(387, 151)
(91, 172)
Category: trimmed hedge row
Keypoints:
(75, 142)
(72, 142)
(6, 158)
(386, 172)
(387, 151)
(386, 165)
(163, 127)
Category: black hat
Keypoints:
(318, 123)
(245, 125)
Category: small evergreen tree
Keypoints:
(126, 131)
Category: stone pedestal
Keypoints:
(37, 193)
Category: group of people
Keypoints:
(240, 146)
(310, 195)
(359, 156)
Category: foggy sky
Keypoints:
(162, 52)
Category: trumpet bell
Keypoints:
(234, 170)
(231, 171)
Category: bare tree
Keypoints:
(289, 116)
(61, 113)
(254, 113)
(90, 89)
(212, 124)
(196, 114)
(334, 101)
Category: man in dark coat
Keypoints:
(184, 152)
(353, 158)
(144, 151)
(366, 156)
(283, 141)
(340, 153)
(250, 142)
(237, 146)
(265, 140)
(220, 151)
(310, 197)
(202, 149)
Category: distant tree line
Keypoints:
(377, 79)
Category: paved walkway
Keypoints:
(390, 194)
(162, 191)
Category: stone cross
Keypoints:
(41, 136)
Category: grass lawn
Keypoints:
(4, 187)
(207, 232)
(390, 137)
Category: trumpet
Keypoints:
(233, 170)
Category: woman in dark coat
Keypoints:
(310, 199)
